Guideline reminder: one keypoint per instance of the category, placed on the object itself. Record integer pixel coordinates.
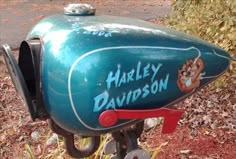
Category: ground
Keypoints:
(206, 131)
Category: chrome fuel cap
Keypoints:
(79, 9)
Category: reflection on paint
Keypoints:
(114, 27)
(149, 71)
(57, 40)
(42, 28)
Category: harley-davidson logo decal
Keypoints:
(148, 71)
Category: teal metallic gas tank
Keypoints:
(92, 67)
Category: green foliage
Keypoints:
(211, 20)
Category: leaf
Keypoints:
(29, 151)
(158, 150)
(185, 152)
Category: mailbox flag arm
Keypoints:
(171, 117)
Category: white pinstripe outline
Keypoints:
(112, 48)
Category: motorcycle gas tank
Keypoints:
(95, 63)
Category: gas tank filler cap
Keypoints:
(79, 9)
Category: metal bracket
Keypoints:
(70, 145)
(126, 143)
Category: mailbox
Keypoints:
(99, 74)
